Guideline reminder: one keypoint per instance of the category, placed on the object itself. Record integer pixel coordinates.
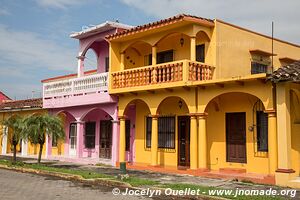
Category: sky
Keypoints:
(35, 42)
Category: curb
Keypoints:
(97, 181)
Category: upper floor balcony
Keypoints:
(176, 52)
(90, 89)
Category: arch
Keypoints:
(174, 103)
(216, 102)
(169, 35)
(132, 44)
(203, 31)
(135, 102)
(203, 36)
(108, 116)
(91, 59)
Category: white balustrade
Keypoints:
(87, 84)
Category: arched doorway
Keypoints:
(174, 131)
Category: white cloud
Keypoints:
(4, 12)
(255, 14)
(29, 50)
(62, 4)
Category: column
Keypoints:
(284, 128)
(193, 48)
(80, 67)
(272, 141)
(4, 140)
(154, 141)
(193, 143)
(154, 51)
(122, 63)
(24, 148)
(114, 148)
(79, 144)
(202, 141)
(122, 141)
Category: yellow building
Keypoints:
(23, 108)
(193, 97)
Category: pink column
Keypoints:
(80, 69)
(97, 138)
(80, 145)
(67, 138)
(115, 139)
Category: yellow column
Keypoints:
(154, 51)
(202, 143)
(122, 63)
(193, 143)
(122, 140)
(154, 140)
(193, 48)
(272, 141)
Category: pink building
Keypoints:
(3, 97)
(91, 118)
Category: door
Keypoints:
(73, 139)
(200, 53)
(105, 139)
(236, 137)
(184, 141)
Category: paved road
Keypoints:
(23, 186)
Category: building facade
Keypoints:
(193, 96)
(82, 100)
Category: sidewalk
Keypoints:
(149, 175)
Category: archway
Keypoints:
(237, 132)
(137, 114)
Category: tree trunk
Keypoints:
(40, 152)
(15, 153)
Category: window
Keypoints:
(127, 135)
(257, 68)
(148, 131)
(54, 141)
(106, 64)
(200, 54)
(90, 128)
(262, 131)
(166, 132)
(162, 57)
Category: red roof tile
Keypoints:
(163, 22)
(22, 104)
(289, 72)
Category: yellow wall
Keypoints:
(216, 133)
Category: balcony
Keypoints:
(171, 74)
(85, 90)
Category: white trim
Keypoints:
(24, 148)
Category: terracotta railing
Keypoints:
(161, 73)
(183, 70)
(200, 71)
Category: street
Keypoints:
(23, 186)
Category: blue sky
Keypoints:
(34, 34)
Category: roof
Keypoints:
(4, 95)
(262, 52)
(290, 72)
(108, 25)
(22, 104)
(67, 76)
(163, 22)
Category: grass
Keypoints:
(133, 181)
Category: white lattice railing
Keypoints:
(87, 84)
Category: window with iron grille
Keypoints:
(148, 131)
(127, 135)
(166, 132)
(90, 133)
(262, 131)
(257, 68)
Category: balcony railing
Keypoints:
(76, 86)
(183, 70)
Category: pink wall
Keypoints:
(3, 97)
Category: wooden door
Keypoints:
(105, 139)
(184, 141)
(236, 137)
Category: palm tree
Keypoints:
(16, 124)
(37, 127)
